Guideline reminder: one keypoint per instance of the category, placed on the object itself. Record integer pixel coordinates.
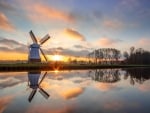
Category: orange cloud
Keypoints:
(107, 41)
(113, 24)
(40, 12)
(104, 86)
(5, 24)
(47, 109)
(144, 41)
(4, 101)
(144, 87)
(114, 105)
(72, 93)
(72, 34)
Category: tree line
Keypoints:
(105, 56)
(137, 56)
(114, 56)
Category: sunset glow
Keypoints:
(57, 58)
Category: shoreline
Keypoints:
(48, 66)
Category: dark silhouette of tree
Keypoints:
(105, 56)
(137, 56)
(137, 75)
(106, 75)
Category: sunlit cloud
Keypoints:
(12, 45)
(129, 4)
(72, 92)
(5, 24)
(113, 24)
(73, 34)
(4, 101)
(114, 105)
(105, 41)
(46, 109)
(9, 82)
(144, 87)
(6, 6)
(43, 13)
(143, 43)
(105, 86)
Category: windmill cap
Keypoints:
(35, 45)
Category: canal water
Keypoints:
(76, 91)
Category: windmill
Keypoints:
(34, 84)
(35, 47)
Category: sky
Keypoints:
(76, 27)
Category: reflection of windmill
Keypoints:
(34, 83)
(34, 55)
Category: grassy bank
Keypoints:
(49, 66)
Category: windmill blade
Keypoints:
(43, 78)
(43, 54)
(32, 95)
(44, 39)
(44, 93)
(33, 37)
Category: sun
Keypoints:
(57, 57)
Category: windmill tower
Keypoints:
(35, 84)
(35, 48)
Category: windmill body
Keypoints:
(35, 48)
(34, 83)
(34, 53)
(33, 78)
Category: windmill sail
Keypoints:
(43, 78)
(32, 95)
(44, 39)
(33, 37)
(43, 54)
(44, 93)
(35, 85)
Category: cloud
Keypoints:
(6, 6)
(73, 34)
(41, 12)
(129, 4)
(9, 82)
(45, 108)
(104, 41)
(9, 45)
(114, 105)
(79, 46)
(105, 86)
(12, 45)
(72, 93)
(144, 87)
(4, 101)
(5, 24)
(113, 24)
(143, 43)
(67, 51)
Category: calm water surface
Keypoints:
(78, 91)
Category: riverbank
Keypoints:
(54, 66)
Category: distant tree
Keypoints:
(126, 55)
(131, 50)
(137, 56)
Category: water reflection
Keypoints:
(105, 75)
(137, 75)
(35, 84)
(76, 91)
